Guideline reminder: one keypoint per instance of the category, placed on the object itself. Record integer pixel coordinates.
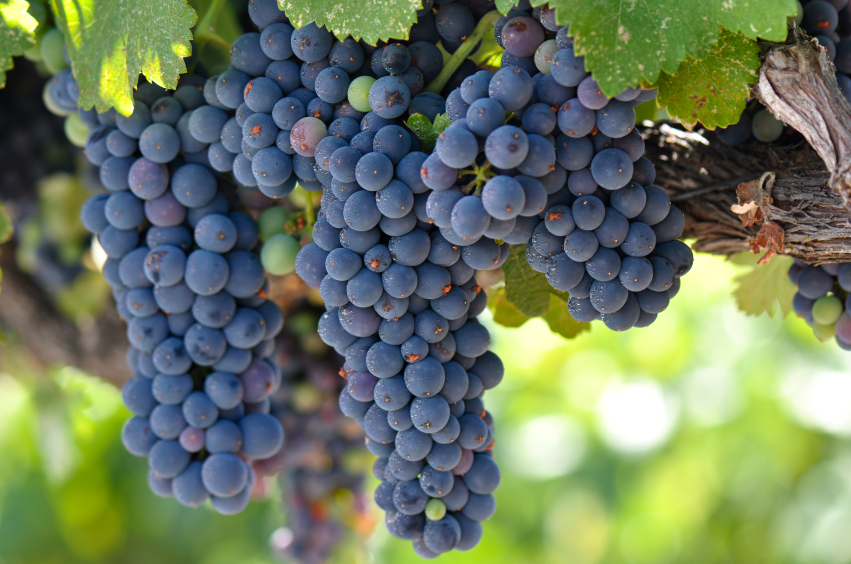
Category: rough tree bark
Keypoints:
(804, 202)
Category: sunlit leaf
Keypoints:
(17, 33)
(765, 288)
(626, 42)
(371, 21)
(561, 322)
(714, 89)
(426, 131)
(504, 311)
(110, 42)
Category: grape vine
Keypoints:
(408, 165)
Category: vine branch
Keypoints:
(484, 26)
(205, 30)
(797, 82)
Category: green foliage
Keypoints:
(371, 21)
(714, 89)
(504, 312)
(70, 493)
(17, 33)
(6, 228)
(426, 131)
(504, 6)
(110, 43)
(61, 196)
(766, 287)
(625, 43)
(560, 321)
(527, 294)
(526, 289)
(84, 298)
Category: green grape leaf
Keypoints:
(528, 290)
(715, 89)
(560, 321)
(17, 33)
(110, 43)
(625, 42)
(505, 6)
(765, 288)
(504, 311)
(426, 131)
(371, 21)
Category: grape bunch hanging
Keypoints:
(396, 317)
(582, 202)
(321, 488)
(535, 155)
(181, 259)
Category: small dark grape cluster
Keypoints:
(182, 261)
(583, 202)
(822, 299)
(322, 487)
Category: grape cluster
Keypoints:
(186, 276)
(822, 299)
(310, 108)
(827, 22)
(583, 202)
(401, 300)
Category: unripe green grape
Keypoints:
(766, 128)
(799, 15)
(271, 222)
(278, 254)
(435, 509)
(33, 54)
(51, 46)
(75, 130)
(544, 55)
(827, 310)
(359, 93)
(824, 332)
(302, 198)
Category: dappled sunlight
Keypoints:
(112, 42)
(708, 437)
(636, 417)
(546, 447)
(821, 400)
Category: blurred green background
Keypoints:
(708, 437)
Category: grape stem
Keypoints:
(482, 174)
(309, 211)
(205, 31)
(485, 25)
